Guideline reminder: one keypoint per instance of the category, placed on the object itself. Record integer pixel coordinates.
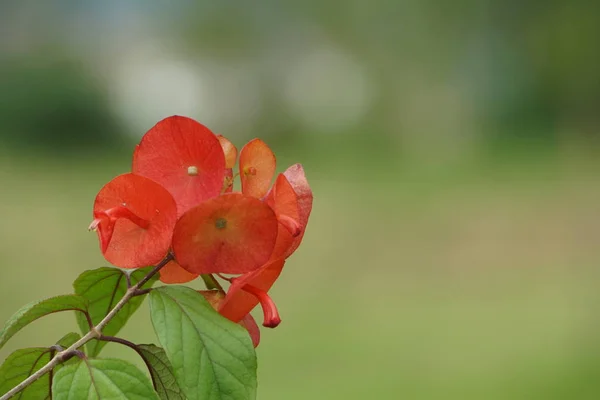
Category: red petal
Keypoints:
(215, 298)
(295, 175)
(271, 314)
(257, 167)
(231, 234)
(185, 157)
(251, 326)
(132, 246)
(238, 302)
(283, 200)
(229, 150)
(173, 273)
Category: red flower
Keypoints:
(293, 209)
(231, 234)
(185, 157)
(179, 197)
(134, 218)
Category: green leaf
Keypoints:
(68, 340)
(161, 371)
(212, 357)
(21, 364)
(101, 379)
(38, 309)
(104, 287)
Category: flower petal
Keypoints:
(215, 298)
(238, 302)
(257, 167)
(283, 200)
(135, 197)
(185, 157)
(229, 150)
(251, 326)
(173, 273)
(296, 177)
(231, 234)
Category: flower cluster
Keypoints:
(180, 198)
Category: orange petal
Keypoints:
(230, 234)
(251, 326)
(283, 200)
(173, 273)
(295, 175)
(229, 150)
(257, 167)
(185, 157)
(271, 314)
(238, 302)
(134, 218)
(215, 298)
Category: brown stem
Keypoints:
(94, 333)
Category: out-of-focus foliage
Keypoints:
(53, 104)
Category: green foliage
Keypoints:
(19, 365)
(22, 363)
(161, 371)
(37, 309)
(69, 339)
(103, 288)
(52, 104)
(96, 379)
(212, 357)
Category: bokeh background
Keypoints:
(453, 250)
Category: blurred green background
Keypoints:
(452, 147)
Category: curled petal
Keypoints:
(271, 314)
(230, 234)
(107, 219)
(290, 224)
(185, 157)
(251, 326)
(134, 217)
(229, 150)
(297, 179)
(239, 301)
(173, 273)
(257, 167)
(284, 201)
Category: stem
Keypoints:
(88, 318)
(94, 333)
(210, 282)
